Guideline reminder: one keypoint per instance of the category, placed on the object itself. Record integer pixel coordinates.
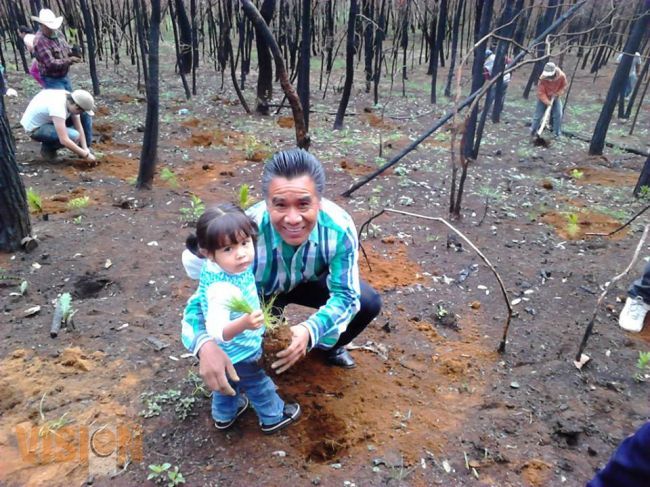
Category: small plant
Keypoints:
(644, 192)
(34, 201)
(79, 203)
(77, 220)
(573, 224)
(271, 320)
(193, 212)
(643, 366)
(153, 402)
(184, 407)
(577, 174)
(169, 177)
(199, 387)
(162, 473)
(53, 425)
(244, 196)
(65, 302)
(441, 311)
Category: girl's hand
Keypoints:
(255, 320)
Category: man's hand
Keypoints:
(255, 320)
(295, 351)
(91, 156)
(214, 365)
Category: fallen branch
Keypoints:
(502, 345)
(581, 359)
(57, 319)
(621, 227)
(631, 150)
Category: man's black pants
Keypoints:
(315, 294)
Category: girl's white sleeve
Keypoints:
(192, 264)
(218, 295)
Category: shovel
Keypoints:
(539, 140)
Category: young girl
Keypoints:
(225, 238)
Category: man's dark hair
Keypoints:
(291, 164)
(25, 30)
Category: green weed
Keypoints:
(162, 473)
(643, 366)
(244, 196)
(78, 203)
(169, 177)
(193, 212)
(34, 201)
(577, 174)
(573, 224)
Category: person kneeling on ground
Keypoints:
(552, 83)
(52, 118)
(306, 253)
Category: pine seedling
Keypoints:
(643, 366)
(572, 226)
(34, 201)
(78, 203)
(66, 308)
(169, 177)
(245, 199)
(238, 304)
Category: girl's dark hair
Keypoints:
(220, 226)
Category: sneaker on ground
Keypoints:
(224, 425)
(633, 314)
(290, 414)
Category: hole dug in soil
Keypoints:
(90, 286)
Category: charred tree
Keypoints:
(264, 62)
(639, 30)
(510, 8)
(90, 39)
(185, 38)
(541, 46)
(349, 66)
(14, 212)
(149, 152)
(644, 178)
(436, 51)
(454, 46)
(368, 53)
(379, 42)
(468, 144)
(302, 136)
(303, 63)
(177, 46)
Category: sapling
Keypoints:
(63, 314)
(643, 364)
(169, 177)
(573, 225)
(244, 196)
(162, 473)
(78, 203)
(195, 210)
(34, 201)
(577, 174)
(240, 305)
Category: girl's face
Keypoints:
(236, 257)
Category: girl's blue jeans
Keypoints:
(259, 388)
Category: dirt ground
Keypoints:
(431, 402)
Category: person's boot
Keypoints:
(47, 153)
(340, 357)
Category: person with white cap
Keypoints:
(552, 83)
(54, 58)
(53, 118)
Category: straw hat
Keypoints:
(84, 100)
(549, 71)
(48, 19)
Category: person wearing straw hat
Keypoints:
(53, 119)
(54, 58)
(552, 83)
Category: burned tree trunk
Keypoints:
(436, 52)
(14, 213)
(186, 86)
(639, 29)
(90, 39)
(541, 47)
(303, 62)
(454, 46)
(149, 152)
(264, 62)
(185, 39)
(302, 136)
(349, 66)
(500, 58)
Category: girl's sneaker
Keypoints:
(290, 414)
(224, 425)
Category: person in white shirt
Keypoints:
(52, 118)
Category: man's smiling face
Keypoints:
(293, 206)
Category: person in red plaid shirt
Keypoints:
(54, 58)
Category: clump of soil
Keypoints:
(275, 340)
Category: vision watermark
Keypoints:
(106, 448)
